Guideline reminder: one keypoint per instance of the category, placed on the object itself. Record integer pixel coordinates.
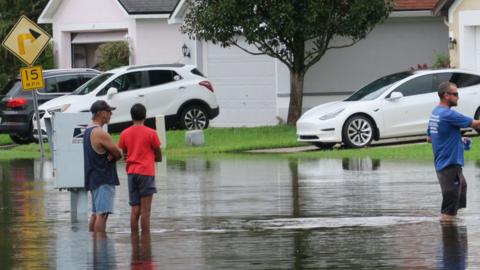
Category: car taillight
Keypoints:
(207, 84)
(15, 103)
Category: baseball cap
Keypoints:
(101, 105)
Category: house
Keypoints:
(79, 27)
(463, 19)
(251, 90)
(254, 90)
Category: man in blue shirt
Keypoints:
(448, 145)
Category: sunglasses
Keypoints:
(453, 94)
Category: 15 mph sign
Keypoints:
(26, 40)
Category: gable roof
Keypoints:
(404, 5)
(135, 8)
(148, 6)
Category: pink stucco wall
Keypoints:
(152, 40)
(89, 11)
(157, 42)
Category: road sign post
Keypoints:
(32, 79)
(26, 41)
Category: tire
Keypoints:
(194, 117)
(477, 114)
(357, 132)
(324, 145)
(21, 138)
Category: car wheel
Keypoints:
(357, 132)
(322, 145)
(194, 117)
(21, 138)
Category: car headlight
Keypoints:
(332, 114)
(61, 108)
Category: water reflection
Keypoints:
(360, 164)
(142, 251)
(23, 201)
(103, 252)
(243, 213)
(455, 246)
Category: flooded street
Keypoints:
(248, 212)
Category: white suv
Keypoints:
(179, 92)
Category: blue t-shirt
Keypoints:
(444, 130)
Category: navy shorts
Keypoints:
(102, 199)
(454, 189)
(140, 186)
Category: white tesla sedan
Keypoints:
(396, 105)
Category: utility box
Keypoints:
(67, 143)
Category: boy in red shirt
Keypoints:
(141, 148)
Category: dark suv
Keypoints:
(16, 107)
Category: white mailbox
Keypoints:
(67, 152)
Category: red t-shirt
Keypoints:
(139, 142)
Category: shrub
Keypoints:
(441, 61)
(113, 55)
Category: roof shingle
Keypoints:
(168, 6)
(415, 4)
(148, 6)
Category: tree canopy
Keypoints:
(297, 32)
(10, 12)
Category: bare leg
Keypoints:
(135, 239)
(146, 246)
(134, 217)
(101, 222)
(446, 217)
(91, 224)
(145, 207)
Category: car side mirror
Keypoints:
(395, 96)
(111, 91)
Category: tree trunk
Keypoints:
(296, 97)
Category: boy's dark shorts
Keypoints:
(454, 189)
(140, 186)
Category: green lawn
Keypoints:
(5, 139)
(237, 140)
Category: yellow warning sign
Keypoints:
(32, 78)
(26, 40)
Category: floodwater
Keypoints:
(248, 213)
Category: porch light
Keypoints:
(452, 43)
(185, 51)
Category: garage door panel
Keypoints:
(244, 91)
(477, 48)
(244, 86)
(250, 69)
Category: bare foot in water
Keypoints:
(446, 217)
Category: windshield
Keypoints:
(377, 87)
(92, 84)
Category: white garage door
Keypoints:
(244, 85)
(477, 48)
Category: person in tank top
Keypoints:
(100, 155)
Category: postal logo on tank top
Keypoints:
(78, 132)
